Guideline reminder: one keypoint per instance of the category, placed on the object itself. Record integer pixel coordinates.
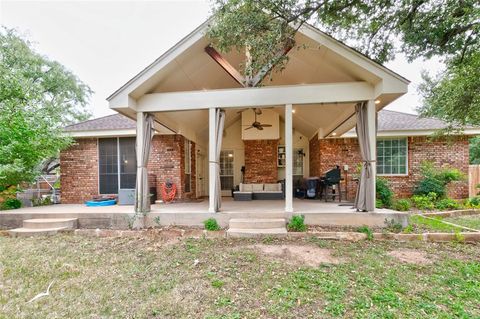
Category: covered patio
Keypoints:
(325, 90)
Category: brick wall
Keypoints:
(79, 168)
(79, 171)
(325, 154)
(261, 161)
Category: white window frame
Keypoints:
(233, 168)
(406, 153)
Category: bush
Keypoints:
(473, 202)
(211, 224)
(297, 223)
(447, 204)
(402, 205)
(383, 192)
(393, 226)
(424, 202)
(379, 203)
(435, 180)
(11, 203)
(430, 185)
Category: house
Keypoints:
(207, 123)
(409, 135)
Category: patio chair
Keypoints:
(312, 187)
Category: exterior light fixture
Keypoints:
(334, 134)
(293, 111)
(230, 155)
(377, 102)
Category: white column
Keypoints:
(212, 167)
(288, 159)
(372, 138)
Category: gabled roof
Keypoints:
(109, 122)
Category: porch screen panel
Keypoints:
(226, 169)
(108, 165)
(128, 162)
(188, 166)
(392, 154)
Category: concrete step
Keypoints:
(50, 223)
(247, 214)
(256, 233)
(29, 232)
(257, 223)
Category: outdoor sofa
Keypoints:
(259, 191)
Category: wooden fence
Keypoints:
(473, 180)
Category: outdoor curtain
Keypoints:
(142, 193)
(219, 125)
(365, 189)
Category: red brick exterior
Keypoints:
(79, 168)
(79, 171)
(261, 161)
(325, 154)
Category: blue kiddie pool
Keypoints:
(93, 203)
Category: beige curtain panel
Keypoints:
(142, 193)
(365, 186)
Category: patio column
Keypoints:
(288, 159)
(212, 167)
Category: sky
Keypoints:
(106, 43)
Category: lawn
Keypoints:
(467, 221)
(199, 278)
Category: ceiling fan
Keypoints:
(256, 124)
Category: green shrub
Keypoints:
(383, 192)
(430, 185)
(297, 223)
(402, 205)
(11, 203)
(473, 202)
(447, 204)
(435, 180)
(424, 202)
(211, 224)
(366, 230)
(379, 203)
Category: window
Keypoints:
(115, 153)
(392, 156)
(188, 166)
(226, 169)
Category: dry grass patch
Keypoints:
(310, 256)
(410, 256)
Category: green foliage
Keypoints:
(474, 150)
(11, 203)
(418, 29)
(393, 226)
(157, 221)
(402, 205)
(434, 224)
(42, 201)
(435, 180)
(297, 223)
(379, 203)
(217, 283)
(366, 230)
(383, 192)
(424, 202)
(38, 97)
(473, 202)
(211, 224)
(447, 204)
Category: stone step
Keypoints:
(29, 232)
(257, 223)
(50, 223)
(256, 233)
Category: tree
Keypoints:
(38, 97)
(378, 28)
